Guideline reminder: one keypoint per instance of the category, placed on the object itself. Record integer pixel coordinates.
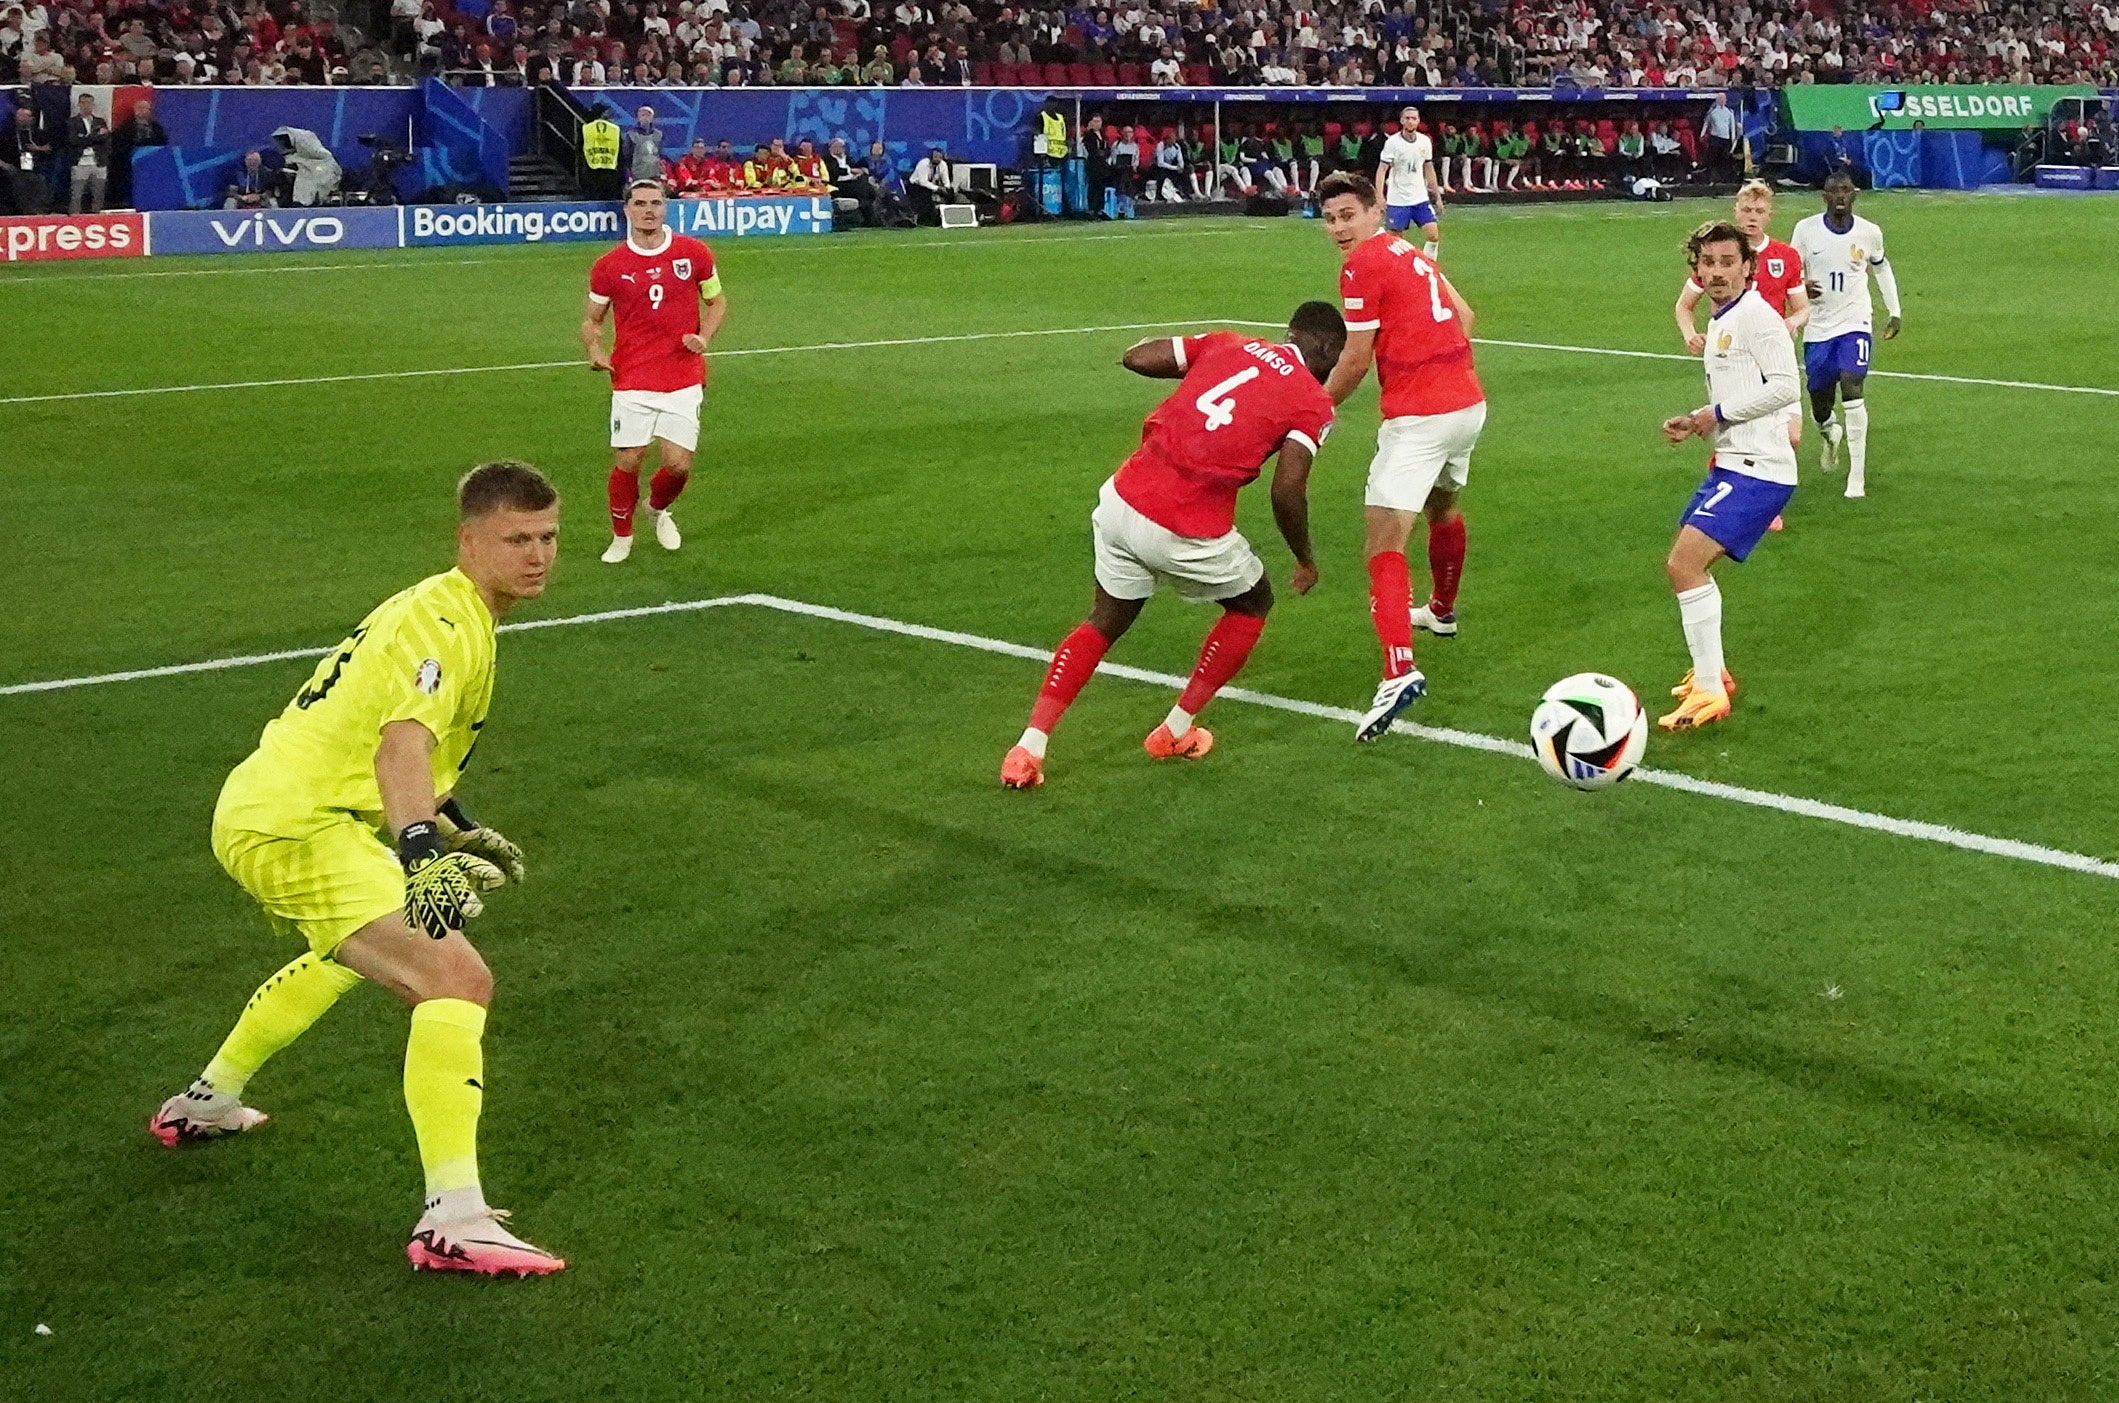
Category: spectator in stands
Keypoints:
(139, 131)
(880, 72)
(43, 65)
(26, 157)
(1165, 72)
(88, 151)
(252, 186)
(643, 148)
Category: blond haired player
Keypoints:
(1777, 276)
(372, 748)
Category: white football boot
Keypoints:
(616, 552)
(666, 534)
(1394, 695)
(202, 1114)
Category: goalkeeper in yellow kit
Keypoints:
(371, 749)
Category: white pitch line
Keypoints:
(62, 684)
(1673, 355)
(1442, 735)
(579, 364)
(1473, 740)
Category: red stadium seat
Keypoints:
(1129, 75)
(1080, 75)
(1608, 135)
(1055, 75)
(1198, 75)
(1332, 132)
(1104, 75)
(1012, 75)
(982, 74)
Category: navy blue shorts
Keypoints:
(1734, 510)
(1399, 218)
(1827, 360)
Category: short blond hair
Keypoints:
(1754, 190)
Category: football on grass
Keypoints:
(1589, 730)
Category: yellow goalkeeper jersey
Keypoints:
(425, 654)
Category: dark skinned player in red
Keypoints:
(1169, 514)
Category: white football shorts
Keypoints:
(1133, 553)
(639, 417)
(1416, 452)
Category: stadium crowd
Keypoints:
(1581, 44)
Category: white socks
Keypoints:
(1431, 248)
(1700, 611)
(1179, 722)
(1034, 741)
(455, 1205)
(1857, 412)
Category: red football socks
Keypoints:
(1445, 560)
(664, 488)
(1072, 666)
(1221, 657)
(1391, 610)
(625, 495)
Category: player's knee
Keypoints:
(1851, 386)
(465, 976)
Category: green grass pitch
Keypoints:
(1305, 1072)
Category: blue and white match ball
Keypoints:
(1589, 731)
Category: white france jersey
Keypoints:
(1837, 268)
(1406, 162)
(1751, 374)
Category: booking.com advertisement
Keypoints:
(45, 237)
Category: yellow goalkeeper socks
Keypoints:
(279, 1012)
(444, 1088)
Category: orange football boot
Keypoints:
(1684, 687)
(1698, 709)
(1189, 746)
(1022, 770)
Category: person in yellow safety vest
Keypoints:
(1052, 135)
(811, 176)
(762, 172)
(599, 143)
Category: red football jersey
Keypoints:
(1241, 398)
(654, 298)
(1423, 357)
(1778, 272)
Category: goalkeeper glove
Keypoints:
(441, 888)
(465, 834)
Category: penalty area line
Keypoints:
(1474, 740)
(1441, 735)
(577, 363)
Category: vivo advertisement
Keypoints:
(274, 230)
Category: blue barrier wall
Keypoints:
(210, 129)
(1933, 160)
(976, 124)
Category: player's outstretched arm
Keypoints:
(592, 315)
(1465, 316)
(1688, 318)
(1155, 358)
(1798, 315)
(441, 888)
(1353, 367)
(1291, 510)
(1887, 284)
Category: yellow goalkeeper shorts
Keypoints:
(323, 887)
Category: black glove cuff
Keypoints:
(454, 812)
(418, 843)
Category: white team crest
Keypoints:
(682, 268)
(428, 678)
(1774, 267)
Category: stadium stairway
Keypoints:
(532, 177)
